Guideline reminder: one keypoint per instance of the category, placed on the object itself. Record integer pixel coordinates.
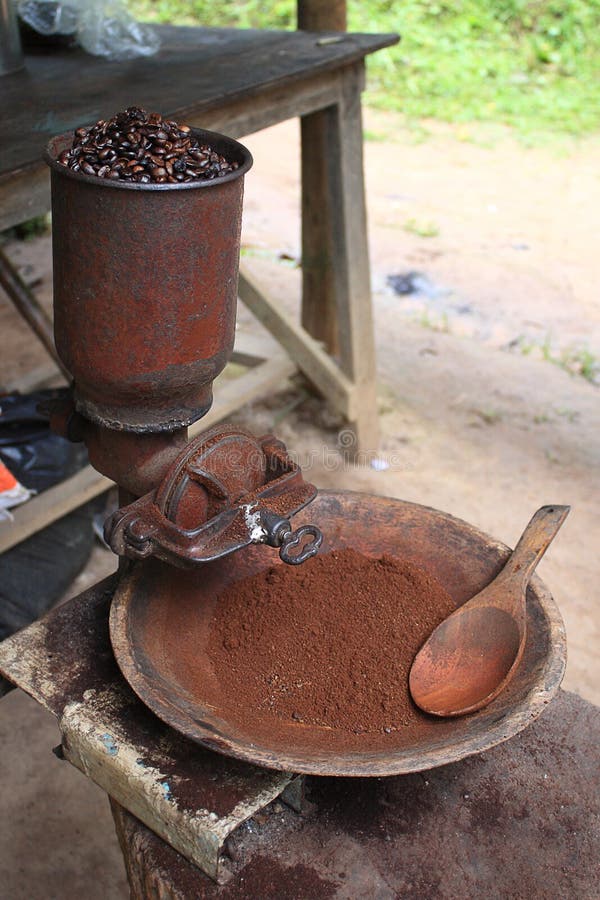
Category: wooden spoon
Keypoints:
(472, 655)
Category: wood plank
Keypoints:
(314, 15)
(148, 877)
(251, 349)
(27, 192)
(24, 194)
(319, 314)
(350, 248)
(271, 105)
(508, 802)
(27, 305)
(309, 355)
(319, 307)
(262, 380)
(42, 376)
(51, 505)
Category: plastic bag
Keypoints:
(102, 27)
(35, 456)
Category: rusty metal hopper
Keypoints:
(160, 622)
(145, 289)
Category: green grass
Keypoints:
(575, 359)
(421, 228)
(26, 231)
(434, 322)
(531, 64)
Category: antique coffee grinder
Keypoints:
(145, 284)
(145, 279)
(145, 292)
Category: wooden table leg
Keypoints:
(336, 302)
(319, 315)
(318, 289)
(27, 305)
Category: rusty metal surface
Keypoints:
(65, 659)
(520, 821)
(159, 626)
(136, 462)
(195, 819)
(145, 289)
(216, 497)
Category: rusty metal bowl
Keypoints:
(160, 620)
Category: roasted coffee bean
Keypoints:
(144, 148)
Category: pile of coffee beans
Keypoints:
(140, 147)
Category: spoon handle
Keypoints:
(534, 542)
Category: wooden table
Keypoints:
(238, 82)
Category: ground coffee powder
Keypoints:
(329, 643)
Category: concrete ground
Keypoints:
(487, 401)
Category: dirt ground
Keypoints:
(480, 415)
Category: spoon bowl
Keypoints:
(470, 657)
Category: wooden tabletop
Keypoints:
(195, 70)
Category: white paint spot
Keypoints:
(253, 523)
